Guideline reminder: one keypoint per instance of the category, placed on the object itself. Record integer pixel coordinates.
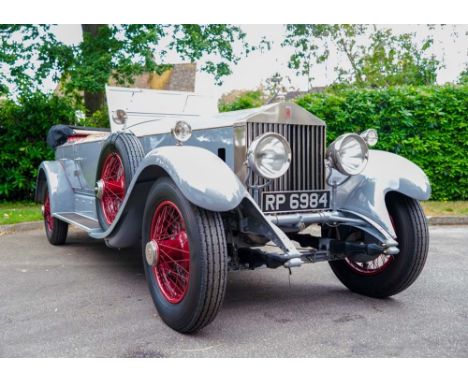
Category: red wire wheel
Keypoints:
(49, 220)
(185, 257)
(373, 267)
(113, 193)
(386, 275)
(172, 268)
(56, 230)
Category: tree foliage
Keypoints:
(268, 91)
(311, 46)
(463, 77)
(31, 53)
(384, 59)
(244, 100)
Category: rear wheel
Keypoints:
(56, 230)
(120, 156)
(388, 275)
(185, 258)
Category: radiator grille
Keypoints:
(307, 170)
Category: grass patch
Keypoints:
(18, 212)
(436, 208)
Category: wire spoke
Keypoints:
(174, 248)
(172, 260)
(113, 176)
(173, 267)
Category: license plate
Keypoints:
(287, 201)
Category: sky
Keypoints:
(258, 66)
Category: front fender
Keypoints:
(364, 194)
(203, 178)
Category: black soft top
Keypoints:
(58, 134)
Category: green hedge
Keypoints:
(23, 128)
(427, 125)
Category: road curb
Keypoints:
(448, 220)
(29, 226)
(20, 227)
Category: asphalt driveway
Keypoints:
(86, 300)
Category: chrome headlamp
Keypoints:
(370, 136)
(348, 154)
(119, 116)
(269, 155)
(182, 132)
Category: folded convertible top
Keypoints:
(58, 134)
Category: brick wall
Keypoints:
(180, 77)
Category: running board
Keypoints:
(83, 222)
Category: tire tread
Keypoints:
(419, 221)
(212, 233)
(415, 250)
(134, 150)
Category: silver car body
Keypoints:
(210, 168)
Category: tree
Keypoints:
(306, 38)
(31, 53)
(274, 86)
(463, 76)
(240, 100)
(267, 92)
(374, 57)
(397, 60)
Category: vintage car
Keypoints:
(203, 192)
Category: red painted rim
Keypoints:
(49, 220)
(172, 269)
(373, 267)
(113, 178)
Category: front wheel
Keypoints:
(185, 258)
(388, 275)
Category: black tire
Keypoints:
(131, 152)
(206, 285)
(56, 230)
(413, 237)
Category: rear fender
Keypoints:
(52, 174)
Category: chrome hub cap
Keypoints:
(151, 253)
(99, 188)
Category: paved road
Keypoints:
(85, 300)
